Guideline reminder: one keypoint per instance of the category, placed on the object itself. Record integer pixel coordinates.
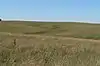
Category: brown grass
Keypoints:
(78, 30)
(53, 48)
(48, 51)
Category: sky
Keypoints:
(54, 10)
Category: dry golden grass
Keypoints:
(47, 51)
(38, 45)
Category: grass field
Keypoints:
(78, 30)
(49, 44)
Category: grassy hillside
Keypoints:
(49, 44)
(69, 29)
(48, 51)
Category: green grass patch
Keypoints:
(94, 36)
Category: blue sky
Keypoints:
(74, 10)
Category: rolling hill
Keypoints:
(64, 29)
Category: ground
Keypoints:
(49, 44)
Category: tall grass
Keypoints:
(48, 55)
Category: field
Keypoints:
(49, 44)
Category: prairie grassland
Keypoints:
(48, 51)
(43, 44)
(69, 29)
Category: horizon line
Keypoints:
(51, 20)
